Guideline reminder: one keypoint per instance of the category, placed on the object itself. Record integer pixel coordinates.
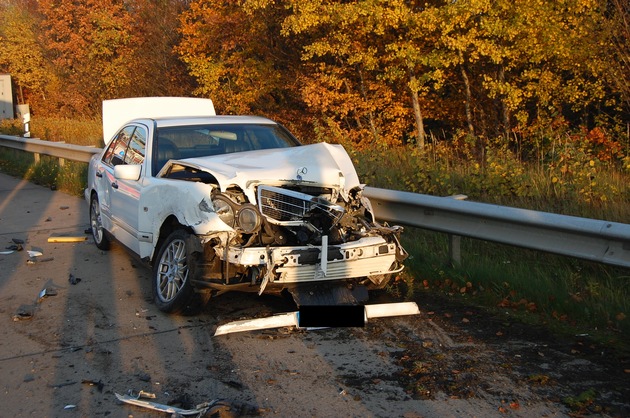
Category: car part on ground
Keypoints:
(292, 319)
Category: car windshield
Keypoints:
(180, 142)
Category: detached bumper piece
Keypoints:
(311, 320)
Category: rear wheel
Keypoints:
(172, 273)
(98, 232)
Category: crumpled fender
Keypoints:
(189, 202)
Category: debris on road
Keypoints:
(142, 394)
(46, 292)
(66, 239)
(73, 280)
(24, 312)
(99, 385)
(288, 319)
(33, 253)
(292, 319)
(145, 377)
(199, 410)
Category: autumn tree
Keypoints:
(21, 54)
(617, 49)
(355, 60)
(91, 45)
(238, 57)
(370, 72)
(157, 69)
(533, 59)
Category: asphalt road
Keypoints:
(96, 333)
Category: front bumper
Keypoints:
(369, 256)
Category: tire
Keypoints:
(96, 225)
(173, 270)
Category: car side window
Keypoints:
(117, 150)
(137, 144)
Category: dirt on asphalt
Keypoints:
(102, 335)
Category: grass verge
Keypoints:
(71, 177)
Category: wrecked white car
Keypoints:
(221, 203)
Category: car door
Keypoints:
(104, 175)
(121, 197)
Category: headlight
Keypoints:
(248, 219)
(224, 210)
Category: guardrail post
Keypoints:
(455, 249)
(455, 241)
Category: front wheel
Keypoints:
(98, 232)
(173, 271)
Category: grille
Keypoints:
(287, 207)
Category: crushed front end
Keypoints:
(296, 235)
(282, 218)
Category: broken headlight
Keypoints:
(224, 209)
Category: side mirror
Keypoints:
(127, 171)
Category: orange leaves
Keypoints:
(507, 406)
(521, 304)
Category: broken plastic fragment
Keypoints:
(141, 394)
(198, 410)
(6, 252)
(288, 319)
(17, 240)
(32, 253)
(66, 239)
(73, 280)
(46, 292)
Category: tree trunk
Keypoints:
(370, 115)
(357, 119)
(505, 113)
(417, 113)
(471, 128)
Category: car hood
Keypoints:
(319, 164)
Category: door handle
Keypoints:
(99, 174)
(114, 185)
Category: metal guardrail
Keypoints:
(55, 149)
(590, 239)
